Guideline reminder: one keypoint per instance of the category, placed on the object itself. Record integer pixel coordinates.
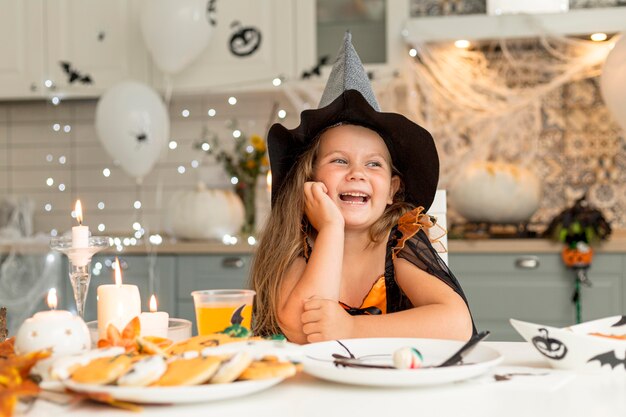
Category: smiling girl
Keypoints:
(344, 253)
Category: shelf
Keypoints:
(479, 27)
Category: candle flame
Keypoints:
(153, 304)
(78, 209)
(118, 272)
(52, 298)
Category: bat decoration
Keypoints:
(621, 322)
(74, 75)
(609, 358)
(548, 346)
(245, 40)
(210, 12)
(317, 69)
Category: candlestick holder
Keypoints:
(80, 264)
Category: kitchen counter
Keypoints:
(616, 244)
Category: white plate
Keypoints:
(318, 361)
(178, 395)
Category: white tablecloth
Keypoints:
(557, 394)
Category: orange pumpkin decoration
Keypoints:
(574, 258)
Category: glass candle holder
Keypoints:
(80, 264)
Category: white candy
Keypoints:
(407, 358)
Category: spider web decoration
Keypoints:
(535, 103)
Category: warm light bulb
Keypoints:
(598, 37)
(52, 298)
(118, 273)
(462, 44)
(78, 209)
(153, 304)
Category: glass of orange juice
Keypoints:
(217, 310)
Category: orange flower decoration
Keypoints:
(127, 339)
(14, 381)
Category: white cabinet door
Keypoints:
(239, 26)
(21, 51)
(93, 44)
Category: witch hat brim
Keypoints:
(411, 147)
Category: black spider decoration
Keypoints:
(74, 75)
(245, 40)
(317, 69)
(140, 137)
(210, 12)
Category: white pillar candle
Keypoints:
(80, 233)
(154, 323)
(117, 304)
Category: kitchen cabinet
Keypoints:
(323, 36)
(535, 288)
(81, 47)
(252, 43)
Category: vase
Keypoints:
(247, 193)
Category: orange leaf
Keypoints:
(132, 329)
(105, 398)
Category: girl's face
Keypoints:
(354, 164)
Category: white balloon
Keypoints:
(175, 31)
(133, 126)
(612, 83)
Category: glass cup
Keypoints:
(217, 310)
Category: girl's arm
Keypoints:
(438, 311)
(321, 276)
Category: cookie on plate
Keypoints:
(267, 368)
(197, 343)
(194, 371)
(231, 368)
(102, 371)
(143, 372)
(63, 367)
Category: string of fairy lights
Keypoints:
(138, 231)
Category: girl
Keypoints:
(344, 253)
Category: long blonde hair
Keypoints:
(283, 238)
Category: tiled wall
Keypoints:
(32, 151)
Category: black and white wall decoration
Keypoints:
(245, 40)
(74, 75)
(548, 346)
(609, 358)
(211, 11)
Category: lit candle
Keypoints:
(154, 323)
(80, 233)
(117, 304)
(54, 329)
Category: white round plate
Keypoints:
(177, 395)
(318, 361)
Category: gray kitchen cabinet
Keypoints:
(536, 288)
(208, 272)
(136, 270)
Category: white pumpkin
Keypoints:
(496, 193)
(204, 213)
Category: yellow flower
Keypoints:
(264, 161)
(258, 143)
(250, 164)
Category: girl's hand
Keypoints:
(325, 320)
(319, 208)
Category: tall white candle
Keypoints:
(117, 304)
(80, 233)
(154, 323)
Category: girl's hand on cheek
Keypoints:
(319, 208)
(325, 320)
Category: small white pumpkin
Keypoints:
(204, 213)
(496, 193)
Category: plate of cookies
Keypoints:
(202, 368)
(395, 362)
